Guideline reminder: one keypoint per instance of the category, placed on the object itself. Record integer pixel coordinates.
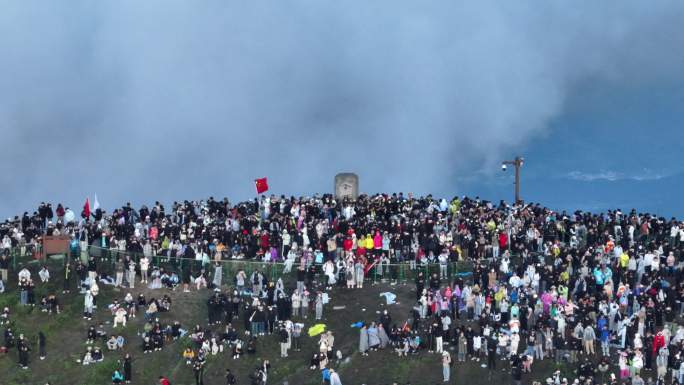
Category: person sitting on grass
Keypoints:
(88, 357)
(414, 344)
(188, 355)
(91, 335)
(131, 305)
(176, 330)
(52, 304)
(251, 345)
(197, 336)
(147, 345)
(115, 343)
(403, 348)
(97, 355)
(151, 311)
(101, 332)
(117, 377)
(237, 349)
(165, 304)
(156, 276)
(230, 335)
(120, 316)
(111, 343)
(170, 280)
(313, 363)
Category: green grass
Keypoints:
(66, 334)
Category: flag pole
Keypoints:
(256, 194)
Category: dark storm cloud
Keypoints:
(175, 99)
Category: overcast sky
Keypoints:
(170, 100)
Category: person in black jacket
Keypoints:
(230, 378)
(4, 267)
(420, 285)
(491, 354)
(438, 335)
(516, 370)
(23, 349)
(198, 370)
(311, 276)
(271, 319)
(257, 377)
(128, 370)
(41, 345)
(284, 337)
(212, 309)
(435, 282)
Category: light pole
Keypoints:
(517, 163)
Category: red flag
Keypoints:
(86, 209)
(261, 185)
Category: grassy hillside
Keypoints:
(66, 335)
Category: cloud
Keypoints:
(180, 100)
(613, 176)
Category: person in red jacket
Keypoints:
(265, 241)
(348, 244)
(658, 342)
(503, 240)
(164, 381)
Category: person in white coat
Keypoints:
(144, 267)
(334, 378)
(329, 271)
(88, 306)
(24, 274)
(218, 275)
(291, 257)
(446, 366)
(44, 274)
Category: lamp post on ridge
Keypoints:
(517, 163)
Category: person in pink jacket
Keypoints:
(377, 242)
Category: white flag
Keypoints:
(96, 204)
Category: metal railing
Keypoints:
(107, 258)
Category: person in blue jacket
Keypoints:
(117, 377)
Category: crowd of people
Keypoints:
(599, 293)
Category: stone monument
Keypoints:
(346, 185)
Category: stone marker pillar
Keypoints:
(346, 185)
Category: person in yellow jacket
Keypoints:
(624, 260)
(369, 242)
(189, 355)
(499, 296)
(563, 290)
(362, 242)
(455, 206)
